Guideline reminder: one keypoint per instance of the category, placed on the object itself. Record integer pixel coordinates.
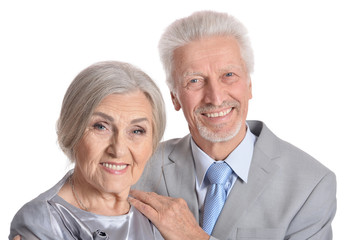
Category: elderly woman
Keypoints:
(111, 121)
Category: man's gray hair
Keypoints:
(197, 26)
(91, 86)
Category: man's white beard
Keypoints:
(221, 136)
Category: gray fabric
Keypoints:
(50, 217)
(289, 195)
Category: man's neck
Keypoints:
(220, 150)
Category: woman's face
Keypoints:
(116, 144)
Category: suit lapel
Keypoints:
(179, 175)
(243, 195)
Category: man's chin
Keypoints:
(219, 136)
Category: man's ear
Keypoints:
(250, 88)
(175, 101)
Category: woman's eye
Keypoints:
(99, 126)
(139, 131)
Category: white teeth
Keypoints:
(218, 114)
(114, 167)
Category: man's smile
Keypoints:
(218, 114)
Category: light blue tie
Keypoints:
(217, 174)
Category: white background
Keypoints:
(305, 85)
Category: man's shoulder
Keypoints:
(298, 184)
(288, 157)
(151, 179)
(170, 143)
(165, 148)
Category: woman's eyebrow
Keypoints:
(103, 115)
(137, 120)
(111, 119)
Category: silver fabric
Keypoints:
(50, 217)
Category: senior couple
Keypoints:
(228, 179)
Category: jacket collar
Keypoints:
(243, 195)
(180, 177)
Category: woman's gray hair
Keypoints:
(200, 25)
(91, 86)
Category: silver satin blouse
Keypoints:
(50, 217)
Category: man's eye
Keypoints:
(230, 74)
(194, 83)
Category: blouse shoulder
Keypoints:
(34, 219)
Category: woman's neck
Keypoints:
(78, 192)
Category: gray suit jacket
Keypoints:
(289, 195)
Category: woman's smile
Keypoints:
(115, 168)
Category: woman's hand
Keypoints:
(17, 237)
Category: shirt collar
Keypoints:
(239, 159)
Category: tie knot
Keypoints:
(218, 173)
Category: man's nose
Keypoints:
(214, 92)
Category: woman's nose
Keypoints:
(117, 147)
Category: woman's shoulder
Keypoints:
(40, 202)
(32, 218)
(36, 207)
(149, 231)
(35, 214)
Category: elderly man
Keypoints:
(234, 177)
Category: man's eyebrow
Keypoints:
(103, 115)
(137, 120)
(187, 74)
(225, 68)
(230, 67)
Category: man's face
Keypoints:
(213, 88)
